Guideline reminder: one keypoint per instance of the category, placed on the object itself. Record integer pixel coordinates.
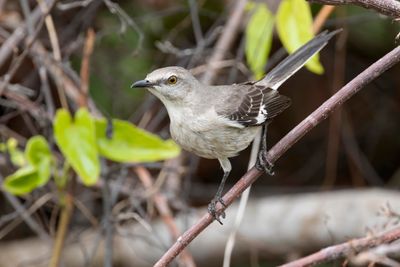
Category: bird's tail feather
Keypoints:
(291, 64)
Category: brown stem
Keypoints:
(65, 218)
(321, 17)
(284, 144)
(165, 212)
(345, 249)
(389, 8)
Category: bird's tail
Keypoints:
(291, 64)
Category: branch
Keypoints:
(284, 144)
(389, 8)
(225, 41)
(345, 249)
(62, 229)
(165, 212)
(19, 34)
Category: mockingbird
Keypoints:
(217, 122)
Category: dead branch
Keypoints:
(345, 249)
(389, 8)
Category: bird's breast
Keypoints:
(211, 138)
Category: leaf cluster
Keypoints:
(82, 139)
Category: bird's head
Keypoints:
(170, 84)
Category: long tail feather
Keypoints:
(291, 64)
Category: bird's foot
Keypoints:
(263, 164)
(213, 211)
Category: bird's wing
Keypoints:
(253, 105)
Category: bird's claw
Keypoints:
(263, 164)
(213, 211)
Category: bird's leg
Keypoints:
(226, 166)
(263, 164)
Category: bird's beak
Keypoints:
(142, 84)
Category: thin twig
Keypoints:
(19, 33)
(339, 70)
(389, 8)
(284, 144)
(55, 45)
(107, 224)
(125, 19)
(66, 214)
(345, 249)
(84, 73)
(194, 14)
(26, 213)
(321, 17)
(230, 243)
(165, 212)
(225, 41)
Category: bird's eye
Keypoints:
(172, 79)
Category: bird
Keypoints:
(218, 122)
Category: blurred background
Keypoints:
(338, 182)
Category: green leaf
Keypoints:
(259, 38)
(131, 144)
(22, 181)
(17, 157)
(77, 141)
(38, 153)
(294, 25)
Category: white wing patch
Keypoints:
(262, 114)
(259, 104)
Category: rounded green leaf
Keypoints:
(131, 144)
(22, 181)
(259, 31)
(77, 141)
(38, 154)
(36, 149)
(294, 25)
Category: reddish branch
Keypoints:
(389, 8)
(345, 249)
(284, 144)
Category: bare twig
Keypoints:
(65, 218)
(225, 41)
(389, 8)
(164, 210)
(321, 17)
(87, 52)
(55, 44)
(339, 70)
(194, 14)
(75, 4)
(345, 249)
(284, 144)
(230, 243)
(355, 154)
(19, 33)
(107, 224)
(25, 214)
(10, 44)
(125, 19)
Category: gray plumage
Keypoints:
(218, 122)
